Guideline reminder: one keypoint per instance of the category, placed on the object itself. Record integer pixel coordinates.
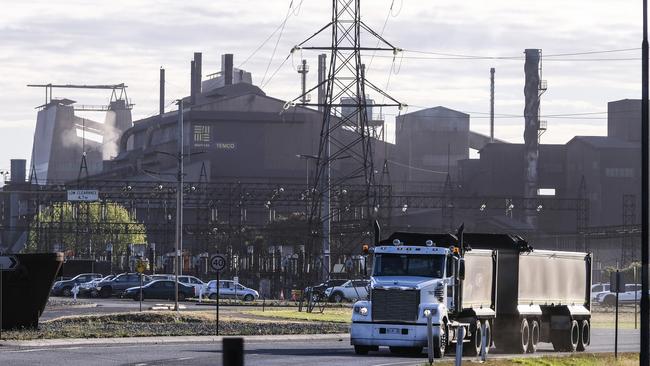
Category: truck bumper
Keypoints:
(396, 335)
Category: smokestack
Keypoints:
(162, 91)
(198, 69)
(227, 68)
(531, 117)
(18, 170)
(322, 62)
(192, 82)
(492, 104)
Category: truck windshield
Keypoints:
(409, 265)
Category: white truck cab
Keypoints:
(408, 281)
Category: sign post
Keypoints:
(218, 263)
(140, 267)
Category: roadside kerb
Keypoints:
(169, 339)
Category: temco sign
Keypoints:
(86, 195)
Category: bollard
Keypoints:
(459, 345)
(233, 351)
(484, 344)
(429, 316)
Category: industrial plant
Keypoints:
(258, 179)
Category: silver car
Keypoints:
(231, 290)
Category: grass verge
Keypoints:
(587, 359)
(335, 315)
(149, 324)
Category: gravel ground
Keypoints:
(165, 324)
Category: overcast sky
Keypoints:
(101, 42)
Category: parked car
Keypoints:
(160, 289)
(194, 282)
(597, 289)
(352, 290)
(318, 291)
(119, 283)
(90, 288)
(161, 276)
(230, 290)
(632, 293)
(64, 288)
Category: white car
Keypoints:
(231, 290)
(352, 290)
(632, 293)
(597, 289)
(194, 282)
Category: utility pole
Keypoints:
(178, 268)
(345, 96)
(644, 358)
(492, 104)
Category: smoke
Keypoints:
(111, 136)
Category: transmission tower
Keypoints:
(346, 135)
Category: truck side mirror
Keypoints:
(461, 269)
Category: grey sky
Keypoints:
(88, 42)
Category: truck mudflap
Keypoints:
(387, 334)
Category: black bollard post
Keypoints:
(233, 351)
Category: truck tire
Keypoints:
(361, 350)
(534, 336)
(440, 342)
(566, 340)
(473, 347)
(524, 336)
(488, 336)
(585, 336)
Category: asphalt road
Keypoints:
(268, 353)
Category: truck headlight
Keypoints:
(362, 310)
(429, 312)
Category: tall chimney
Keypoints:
(227, 68)
(492, 104)
(531, 117)
(198, 71)
(322, 62)
(192, 82)
(18, 172)
(162, 91)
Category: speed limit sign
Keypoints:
(218, 262)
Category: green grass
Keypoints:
(329, 315)
(587, 359)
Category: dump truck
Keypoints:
(492, 283)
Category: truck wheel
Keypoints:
(585, 335)
(473, 347)
(488, 336)
(566, 340)
(534, 336)
(361, 350)
(440, 342)
(524, 336)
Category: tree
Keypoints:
(84, 228)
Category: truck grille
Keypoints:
(395, 305)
